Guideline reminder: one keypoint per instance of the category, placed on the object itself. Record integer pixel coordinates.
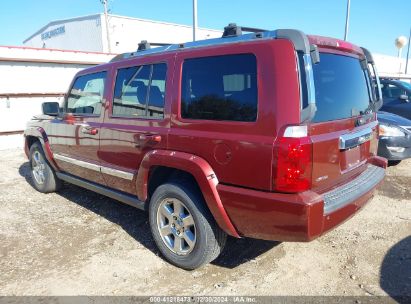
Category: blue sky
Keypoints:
(373, 24)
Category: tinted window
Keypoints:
(384, 90)
(391, 91)
(86, 95)
(375, 82)
(220, 88)
(130, 91)
(303, 79)
(139, 91)
(341, 88)
(157, 91)
(407, 85)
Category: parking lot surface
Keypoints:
(76, 242)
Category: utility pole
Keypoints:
(347, 20)
(195, 21)
(408, 53)
(104, 2)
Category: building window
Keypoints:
(220, 88)
(140, 91)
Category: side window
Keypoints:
(86, 95)
(385, 90)
(139, 91)
(157, 91)
(130, 92)
(395, 91)
(220, 88)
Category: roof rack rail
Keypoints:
(143, 45)
(120, 57)
(233, 30)
(160, 44)
(232, 34)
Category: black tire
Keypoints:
(393, 162)
(50, 182)
(209, 238)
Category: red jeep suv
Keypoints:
(269, 135)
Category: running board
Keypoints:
(114, 194)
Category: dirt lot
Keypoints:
(77, 242)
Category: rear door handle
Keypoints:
(150, 138)
(89, 130)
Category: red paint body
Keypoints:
(232, 162)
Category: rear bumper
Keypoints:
(298, 217)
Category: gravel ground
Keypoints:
(80, 243)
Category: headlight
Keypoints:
(390, 131)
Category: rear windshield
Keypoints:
(341, 88)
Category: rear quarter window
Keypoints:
(220, 88)
(341, 88)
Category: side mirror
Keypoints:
(404, 97)
(50, 108)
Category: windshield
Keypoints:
(341, 88)
(406, 84)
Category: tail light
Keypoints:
(293, 160)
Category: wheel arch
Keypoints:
(38, 134)
(158, 166)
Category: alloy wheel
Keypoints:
(38, 166)
(176, 226)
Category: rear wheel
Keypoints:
(183, 228)
(43, 176)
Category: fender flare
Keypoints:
(200, 169)
(41, 135)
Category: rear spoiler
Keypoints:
(378, 93)
(310, 56)
(368, 55)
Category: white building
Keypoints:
(89, 33)
(391, 66)
(31, 76)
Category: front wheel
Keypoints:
(183, 228)
(43, 176)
